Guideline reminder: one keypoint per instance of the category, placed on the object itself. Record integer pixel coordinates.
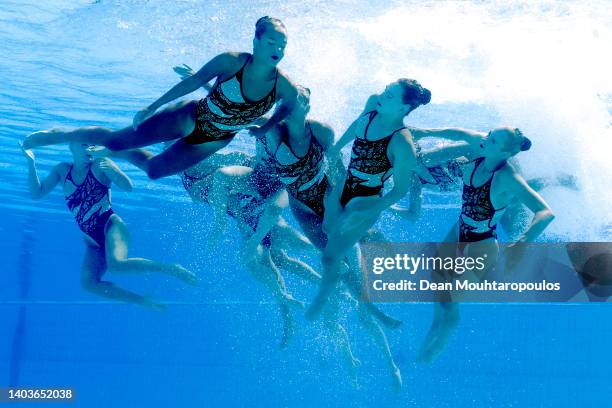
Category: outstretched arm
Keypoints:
(185, 71)
(115, 174)
(456, 134)
(213, 68)
(442, 154)
(38, 189)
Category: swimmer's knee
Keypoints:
(114, 264)
(155, 172)
(89, 283)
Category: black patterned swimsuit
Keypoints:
(250, 210)
(226, 110)
(304, 179)
(476, 222)
(369, 161)
(91, 206)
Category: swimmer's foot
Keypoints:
(389, 322)
(293, 302)
(288, 328)
(185, 275)
(436, 340)
(42, 138)
(349, 298)
(153, 304)
(396, 379)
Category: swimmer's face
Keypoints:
(269, 48)
(496, 144)
(82, 151)
(391, 101)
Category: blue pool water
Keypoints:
(543, 66)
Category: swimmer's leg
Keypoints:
(446, 313)
(117, 244)
(354, 284)
(264, 271)
(94, 266)
(338, 244)
(446, 319)
(340, 337)
(178, 157)
(174, 122)
(294, 266)
(286, 237)
(380, 338)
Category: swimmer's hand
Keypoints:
(140, 117)
(184, 71)
(27, 153)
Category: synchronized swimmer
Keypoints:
(298, 165)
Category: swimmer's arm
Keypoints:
(185, 71)
(370, 104)
(442, 154)
(115, 174)
(212, 69)
(349, 135)
(39, 190)
(403, 159)
(472, 137)
(543, 214)
(416, 197)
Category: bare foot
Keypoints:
(396, 378)
(288, 328)
(293, 302)
(186, 275)
(390, 322)
(153, 304)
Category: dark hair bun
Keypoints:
(425, 96)
(525, 144)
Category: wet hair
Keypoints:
(413, 93)
(264, 22)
